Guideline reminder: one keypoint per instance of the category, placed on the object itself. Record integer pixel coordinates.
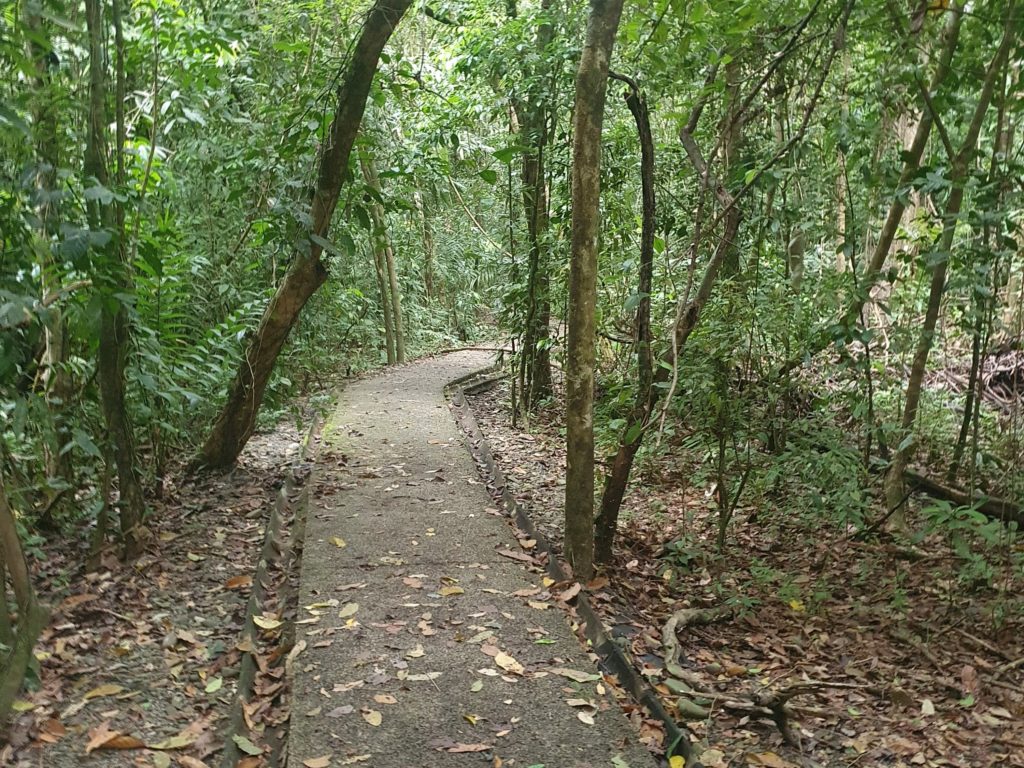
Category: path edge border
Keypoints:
(613, 658)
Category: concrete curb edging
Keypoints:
(271, 551)
(613, 658)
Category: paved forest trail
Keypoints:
(422, 647)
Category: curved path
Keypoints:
(418, 649)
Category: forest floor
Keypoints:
(140, 663)
(885, 655)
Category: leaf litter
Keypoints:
(926, 679)
(138, 656)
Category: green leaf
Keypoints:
(506, 155)
(245, 745)
(489, 175)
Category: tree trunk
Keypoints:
(114, 327)
(588, 118)
(31, 615)
(382, 244)
(632, 436)
(380, 268)
(533, 113)
(307, 272)
(429, 287)
(894, 486)
(56, 379)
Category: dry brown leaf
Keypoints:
(238, 582)
(101, 737)
(570, 593)
(458, 748)
(194, 762)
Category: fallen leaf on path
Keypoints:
(103, 690)
(347, 709)
(373, 717)
(451, 591)
(355, 759)
(416, 652)
(191, 762)
(266, 622)
(422, 678)
(521, 557)
(101, 737)
(585, 717)
(575, 675)
(385, 698)
(339, 542)
(570, 593)
(180, 741)
(238, 582)
(317, 762)
(508, 663)
(477, 686)
(347, 610)
(245, 745)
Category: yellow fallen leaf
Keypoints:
(676, 762)
(180, 741)
(449, 591)
(338, 542)
(508, 663)
(797, 605)
(266, 622)
(348, 609)
(103, 690)
(547, 581)
(373, 717)
(20, 705)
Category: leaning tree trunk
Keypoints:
(307, 272)
(588, 119)
(114, 326)
(895, 495)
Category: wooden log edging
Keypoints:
(613, 657)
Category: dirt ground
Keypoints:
(881, 654)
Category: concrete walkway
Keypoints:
(423, 645)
